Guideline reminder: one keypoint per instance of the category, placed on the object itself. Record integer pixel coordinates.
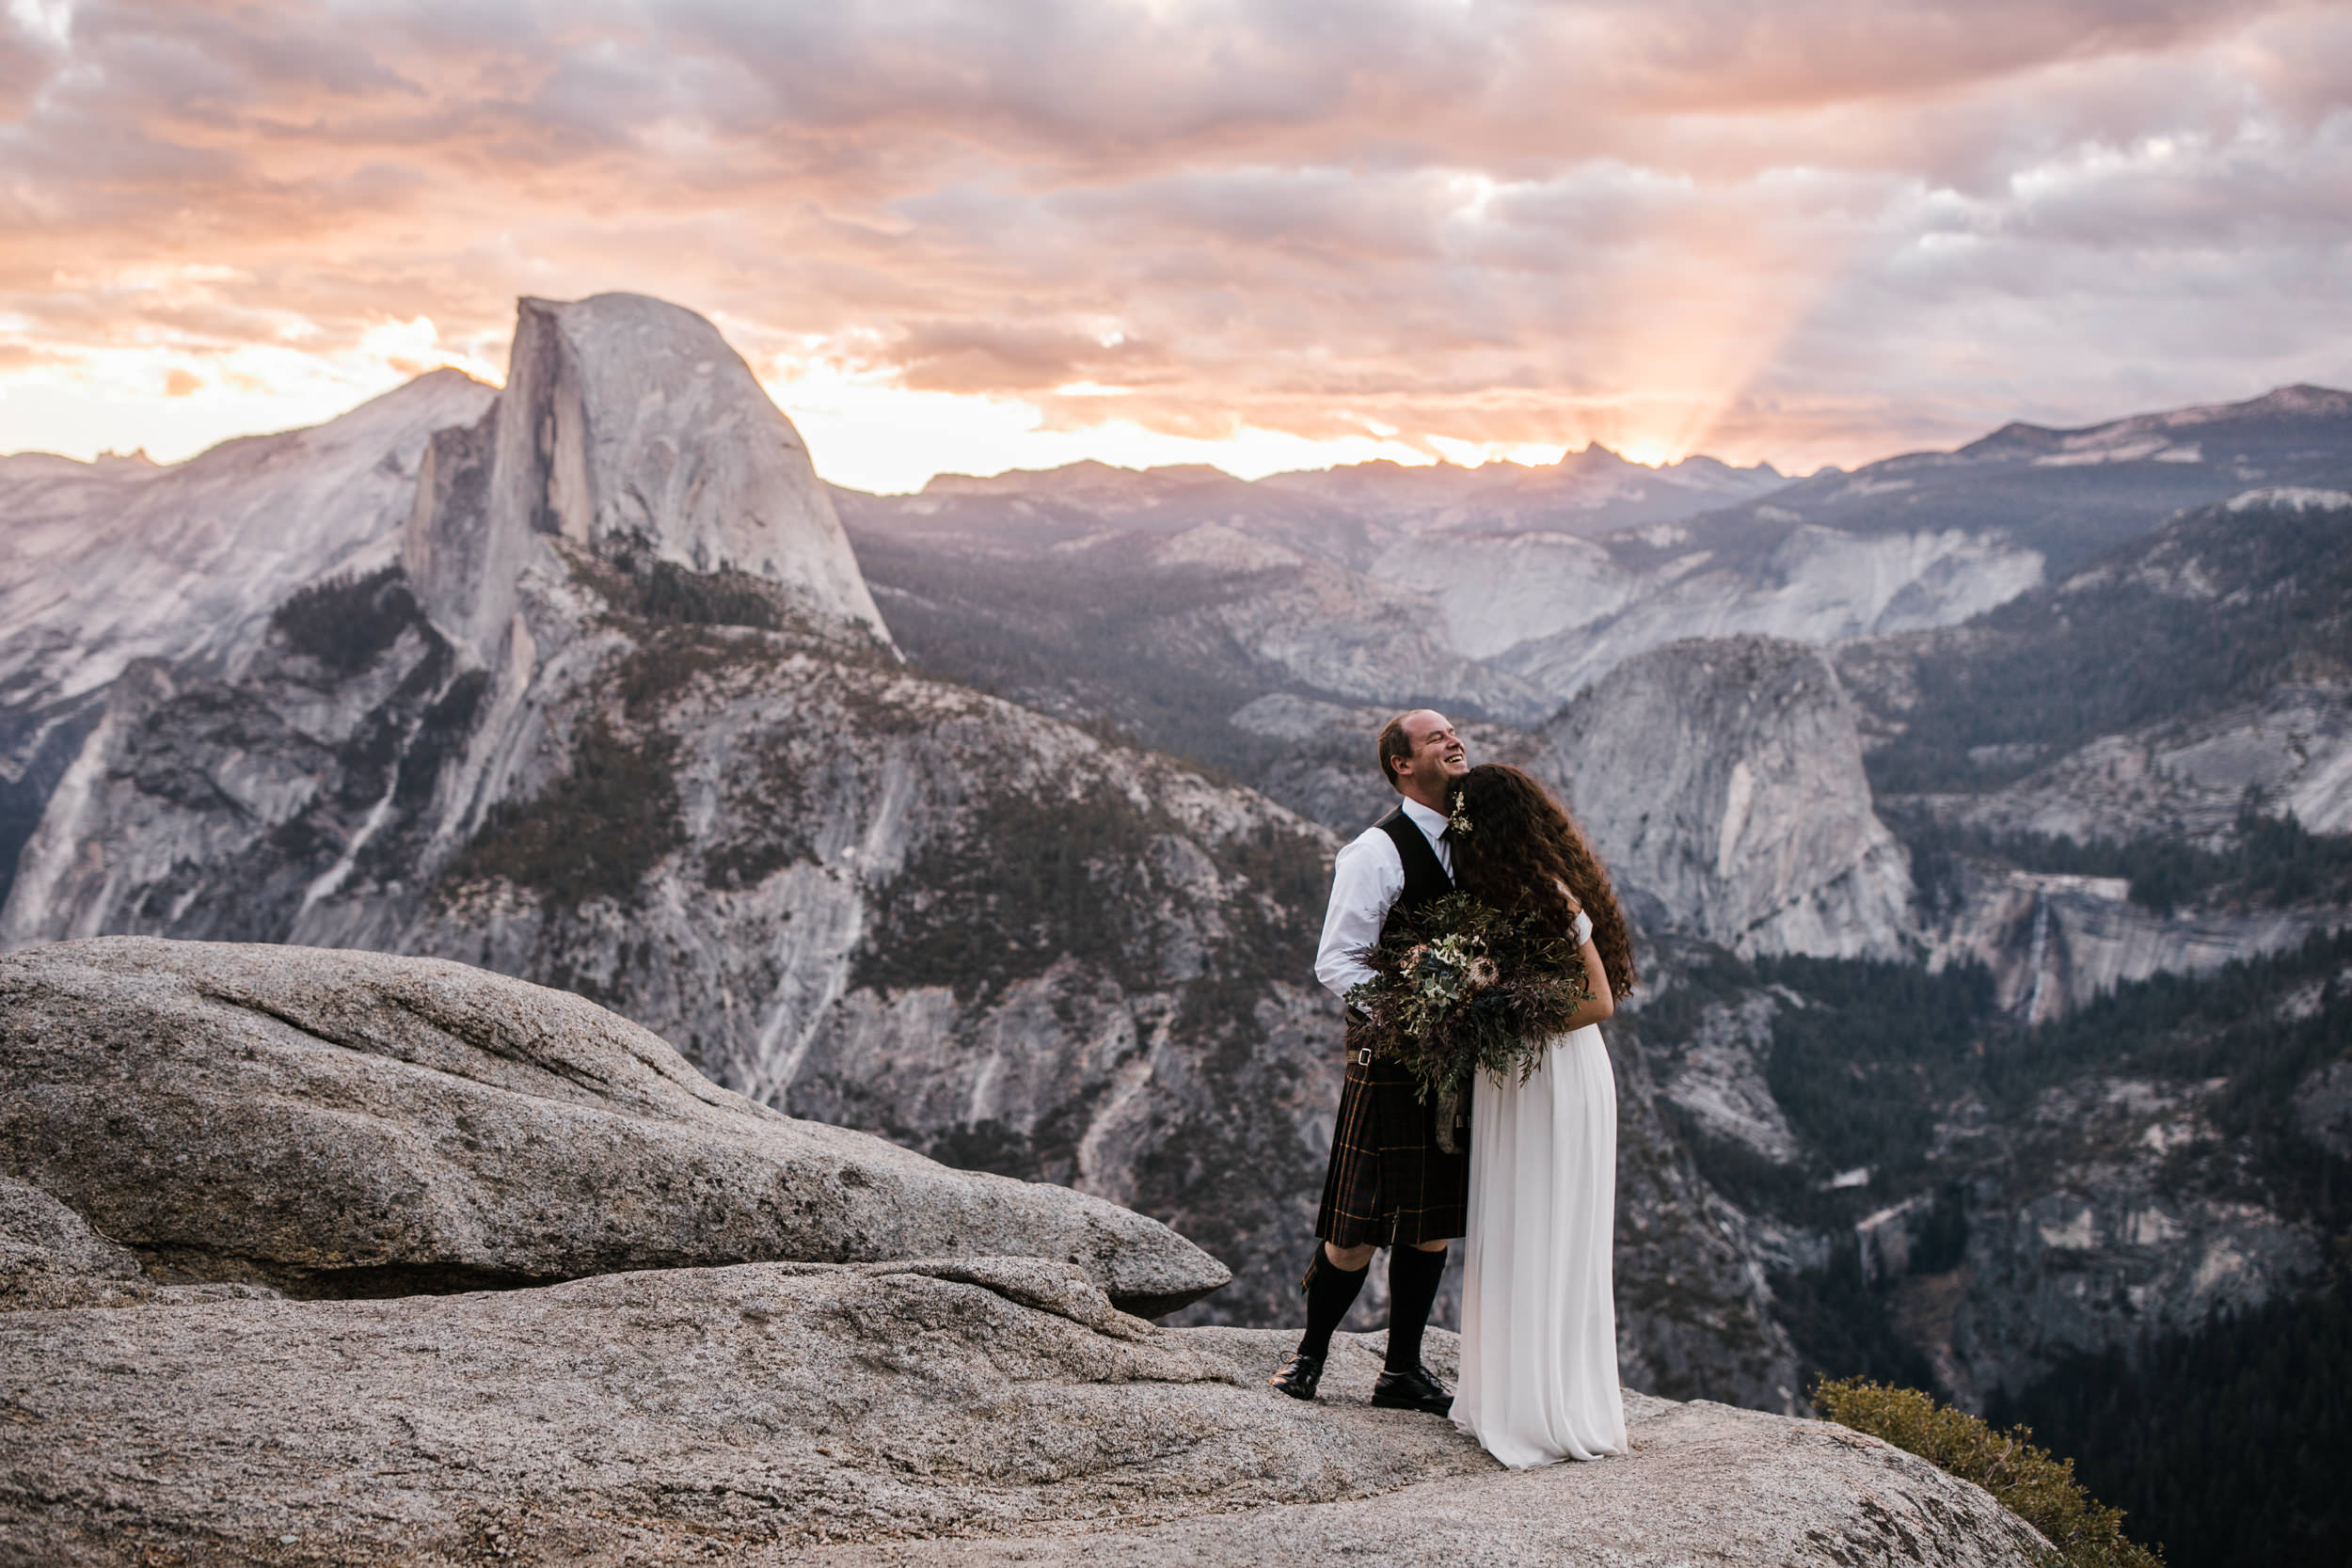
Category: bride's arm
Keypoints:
(1604, 1003)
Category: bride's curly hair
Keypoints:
(1522, 848)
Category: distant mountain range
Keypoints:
(1349, 512)
(1159, 602)
(2017, 479)
(2070, 494)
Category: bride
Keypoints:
(1539, 1329)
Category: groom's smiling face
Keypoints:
(1437, 756)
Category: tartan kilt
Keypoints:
(1389, 1183)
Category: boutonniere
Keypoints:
(1457, 822)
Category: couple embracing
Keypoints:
(1525, 1171)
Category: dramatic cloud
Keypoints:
(968, 234)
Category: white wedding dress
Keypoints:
(1539, 1327)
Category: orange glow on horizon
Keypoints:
(864, 430)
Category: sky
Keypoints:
(978, 234)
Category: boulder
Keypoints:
(924, 1411)
(887, 1384)
(49, 1258)
(355, 1124)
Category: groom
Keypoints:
(1389, 1184)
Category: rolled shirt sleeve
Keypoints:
(1366, 879)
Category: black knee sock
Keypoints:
(1413, 1276)
(1331, 1291)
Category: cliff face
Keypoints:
(110, 562)
(121, 560)
(2134, 1227)
(2104, 771)
(628, 428)
(2054, 941)
(1724, 780)
(1810, 584)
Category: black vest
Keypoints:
(1424, 873)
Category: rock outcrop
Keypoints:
(1724, 781)
(627, 427)
(928, 1361)
(2110, 1246)
(2323, 1108)
(358, 1124)
(2054, 941)
(1815, 585)
(908, 1412)
(50, 1258)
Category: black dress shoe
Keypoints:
(1298, 1378)
(1413, 1391)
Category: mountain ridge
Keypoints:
(2017, 439)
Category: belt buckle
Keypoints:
(1363, 1056)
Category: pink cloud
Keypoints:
(1830, 227)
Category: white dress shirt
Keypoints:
(1366, 881)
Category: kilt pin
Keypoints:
(1389, 1182)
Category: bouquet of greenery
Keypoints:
(1462, 987)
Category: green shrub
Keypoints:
(2023, 1478)
(345, 621)
(593, 833)
(668, 592)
